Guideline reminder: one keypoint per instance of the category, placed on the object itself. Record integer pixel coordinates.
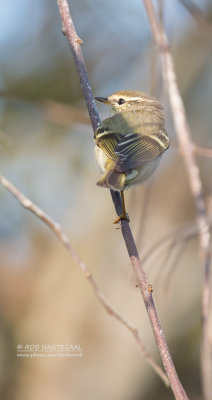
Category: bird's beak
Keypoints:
(102, 99)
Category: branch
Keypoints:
(202, 151)
(53, 111)
(187, 151)
(177, 236)
(75, 43)
(142, 281)
(56, 229)
(200, 18)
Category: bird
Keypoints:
(129, 144)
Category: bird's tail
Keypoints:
(113, 180)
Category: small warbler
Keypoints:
(130, 143)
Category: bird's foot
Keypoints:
(122, 217)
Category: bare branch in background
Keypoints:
(199, 17)
(187, 152)
(178, 252)
(63, 114)
(202, 151)
(180, 235)
(56, 229)
(53, 111)
(142, 281)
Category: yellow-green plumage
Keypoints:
(130, 143)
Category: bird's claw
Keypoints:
(122, 217)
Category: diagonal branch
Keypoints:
(55, 228)
(187, 152)
(142, 281)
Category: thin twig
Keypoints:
(142, 281)
(178, 252)
(181, 234)
(53, 111)
(176, 239)
(75, 43)
(63, 114)
(187, 151)
(146, 292)
(200, 18)
(56, 229)
(202, 151)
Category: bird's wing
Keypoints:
(134, 150)
(107, 141)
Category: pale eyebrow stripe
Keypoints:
(136, 99)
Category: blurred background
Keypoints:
(46, 150)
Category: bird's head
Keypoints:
(129, 100)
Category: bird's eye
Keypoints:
(120, 101)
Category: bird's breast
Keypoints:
(101, 158)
